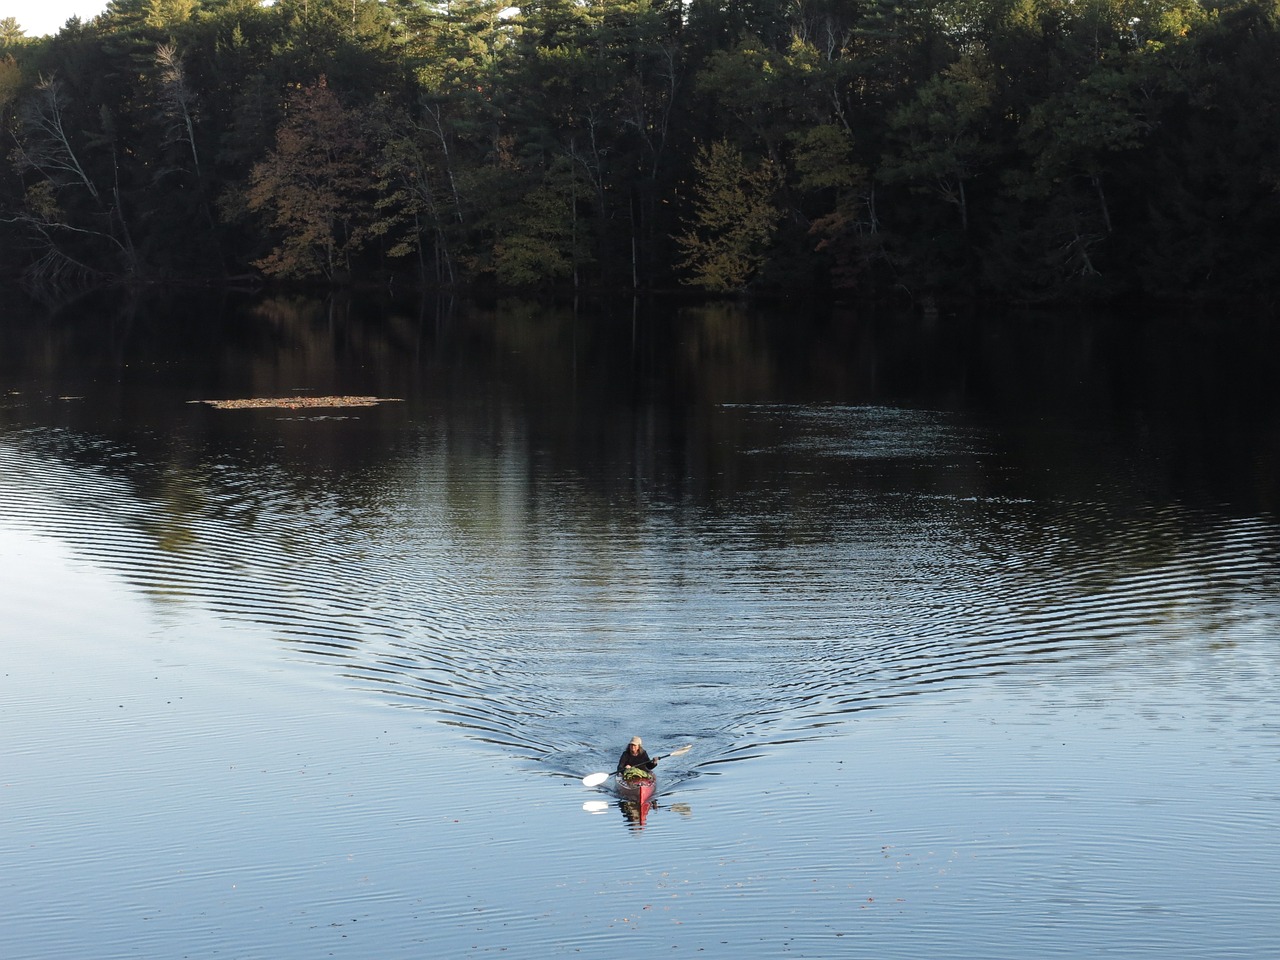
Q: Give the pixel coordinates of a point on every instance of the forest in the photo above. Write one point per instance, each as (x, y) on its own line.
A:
(1032, 151)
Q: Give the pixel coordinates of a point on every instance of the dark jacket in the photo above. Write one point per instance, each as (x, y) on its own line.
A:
(641, 760)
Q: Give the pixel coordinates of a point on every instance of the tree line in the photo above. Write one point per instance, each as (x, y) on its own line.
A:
(1034, 150)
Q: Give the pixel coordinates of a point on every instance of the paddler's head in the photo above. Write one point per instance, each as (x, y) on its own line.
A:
(635, 745)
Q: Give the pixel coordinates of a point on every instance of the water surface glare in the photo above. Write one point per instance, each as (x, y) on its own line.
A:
(975, 640)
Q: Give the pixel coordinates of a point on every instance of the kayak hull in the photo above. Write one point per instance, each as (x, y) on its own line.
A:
(639, 791)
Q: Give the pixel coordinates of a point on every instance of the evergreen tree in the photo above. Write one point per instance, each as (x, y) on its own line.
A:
(733, 221)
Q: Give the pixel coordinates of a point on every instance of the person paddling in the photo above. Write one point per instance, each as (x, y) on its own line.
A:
(635, 756)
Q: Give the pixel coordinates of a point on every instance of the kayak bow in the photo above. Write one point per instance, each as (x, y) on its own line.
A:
(638, 789)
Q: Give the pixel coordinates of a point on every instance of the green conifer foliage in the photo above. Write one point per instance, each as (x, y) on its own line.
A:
(734, 218)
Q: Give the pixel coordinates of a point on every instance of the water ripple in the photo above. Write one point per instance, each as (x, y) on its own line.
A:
(740, 630)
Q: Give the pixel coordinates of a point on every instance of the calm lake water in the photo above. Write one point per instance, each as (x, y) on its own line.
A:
(973, 625)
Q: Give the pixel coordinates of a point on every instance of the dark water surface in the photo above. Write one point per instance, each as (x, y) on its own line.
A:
(973, 625)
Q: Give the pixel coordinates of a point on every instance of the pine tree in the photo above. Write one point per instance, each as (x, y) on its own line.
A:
(734, 219)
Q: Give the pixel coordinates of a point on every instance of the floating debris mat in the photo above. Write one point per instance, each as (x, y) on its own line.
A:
(296, 403)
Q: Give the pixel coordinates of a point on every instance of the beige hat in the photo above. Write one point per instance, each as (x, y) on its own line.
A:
(637, 741)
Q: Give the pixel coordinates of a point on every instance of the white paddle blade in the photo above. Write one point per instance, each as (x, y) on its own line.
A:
(595, 806)
(594, 779)
(682, 751)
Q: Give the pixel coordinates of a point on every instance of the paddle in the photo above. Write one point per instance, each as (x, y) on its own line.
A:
(595, 779)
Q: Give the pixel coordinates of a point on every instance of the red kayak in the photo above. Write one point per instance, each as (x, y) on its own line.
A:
(639, 789)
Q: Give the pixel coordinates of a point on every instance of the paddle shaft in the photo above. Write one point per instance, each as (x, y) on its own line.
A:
(674, 753)
(595, 779)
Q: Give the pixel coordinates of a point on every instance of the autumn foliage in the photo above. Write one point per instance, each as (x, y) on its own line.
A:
(314, 187)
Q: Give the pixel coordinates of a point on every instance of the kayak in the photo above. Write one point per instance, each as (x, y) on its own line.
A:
(640, 789)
